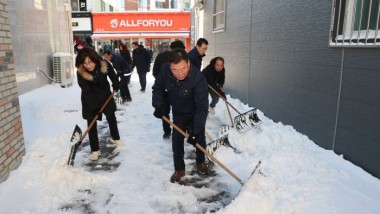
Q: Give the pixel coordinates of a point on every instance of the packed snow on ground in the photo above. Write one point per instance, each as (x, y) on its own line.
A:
(296, 175)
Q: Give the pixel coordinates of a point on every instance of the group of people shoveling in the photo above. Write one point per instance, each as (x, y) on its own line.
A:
(179, 84)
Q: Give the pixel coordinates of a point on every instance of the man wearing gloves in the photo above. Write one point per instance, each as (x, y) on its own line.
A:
(187, 91)
(215, 75)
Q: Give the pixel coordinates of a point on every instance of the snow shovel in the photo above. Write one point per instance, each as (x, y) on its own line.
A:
(216, 144)
(75, 146)
(243, 122)
(203, 150)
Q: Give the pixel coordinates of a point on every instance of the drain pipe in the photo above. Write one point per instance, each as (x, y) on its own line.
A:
(339, 96)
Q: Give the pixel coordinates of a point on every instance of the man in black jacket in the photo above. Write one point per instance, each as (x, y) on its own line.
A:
(215, 75)
(141, 59)
(161, 59)
(186, 88)
(198, 52)
(123, 69)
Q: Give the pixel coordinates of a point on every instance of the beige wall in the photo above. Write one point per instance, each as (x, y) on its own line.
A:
(39, 28)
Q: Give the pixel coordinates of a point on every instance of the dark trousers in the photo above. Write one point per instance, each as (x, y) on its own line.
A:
(166, 112)
(178, 144)
(93, 133)
(214, 99)
(128, 78)
(142, 78)
(124, 90)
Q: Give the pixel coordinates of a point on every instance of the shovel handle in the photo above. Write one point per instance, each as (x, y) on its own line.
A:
(203, 150)
(97, 115)
(224, 99)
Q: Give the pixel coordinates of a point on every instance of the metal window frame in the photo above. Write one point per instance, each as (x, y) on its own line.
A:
(220, 27)
(342, 33)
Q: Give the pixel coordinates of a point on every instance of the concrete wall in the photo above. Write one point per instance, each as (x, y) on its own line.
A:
(12, 146)
(39, 29)
(281, 63)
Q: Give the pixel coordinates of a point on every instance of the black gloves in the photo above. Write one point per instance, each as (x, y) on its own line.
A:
(192, 139)
(223, 95)
(158, 112)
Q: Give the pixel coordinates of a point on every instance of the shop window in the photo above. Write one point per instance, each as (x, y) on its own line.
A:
(219, 16)
(355, 23)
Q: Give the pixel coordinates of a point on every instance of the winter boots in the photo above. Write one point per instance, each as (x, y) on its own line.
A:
(167, 135)
(95, 155)
(203, 168)
(176, 177)
(118, 143)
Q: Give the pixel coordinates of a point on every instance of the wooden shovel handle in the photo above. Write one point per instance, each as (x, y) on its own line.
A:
(203, 150)
(97, 115)
(224, 99)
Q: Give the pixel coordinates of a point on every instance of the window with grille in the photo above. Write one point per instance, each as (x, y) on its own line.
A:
(355, 23)
(219, 15)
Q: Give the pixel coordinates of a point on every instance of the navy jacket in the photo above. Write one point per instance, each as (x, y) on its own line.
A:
(195, 58)
(120, 64)
(188, 98)
(141, 59)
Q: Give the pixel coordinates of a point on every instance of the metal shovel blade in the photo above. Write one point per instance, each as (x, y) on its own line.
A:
(224, 130)
(76, 137)
(216, 144)
(77, 134)
(246, 121)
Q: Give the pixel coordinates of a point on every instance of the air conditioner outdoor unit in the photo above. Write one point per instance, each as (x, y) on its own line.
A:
(63, 68)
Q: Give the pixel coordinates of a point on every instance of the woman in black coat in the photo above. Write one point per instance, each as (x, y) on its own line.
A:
(92, 78)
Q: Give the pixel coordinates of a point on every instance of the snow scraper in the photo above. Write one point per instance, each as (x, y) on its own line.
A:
(243, 122)
(78, 132)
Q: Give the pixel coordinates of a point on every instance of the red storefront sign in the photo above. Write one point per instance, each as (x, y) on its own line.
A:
(140, 22)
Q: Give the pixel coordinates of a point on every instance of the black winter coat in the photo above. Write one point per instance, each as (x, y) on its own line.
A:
(141, 59)
(120, 64)
(188, 98)
(96, 89)
(195, 58)
(213, 78)
(161, 59)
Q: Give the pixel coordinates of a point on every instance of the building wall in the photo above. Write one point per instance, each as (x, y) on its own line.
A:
(281, 63)
(12, 146)
(39, 29)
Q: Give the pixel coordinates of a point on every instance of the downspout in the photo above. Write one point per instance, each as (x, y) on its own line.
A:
(250, 54)
(339, 96)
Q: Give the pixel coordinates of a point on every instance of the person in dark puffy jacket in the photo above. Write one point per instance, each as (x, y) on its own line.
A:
(124, 52)
(161, 59)
(198, 52)
(92, 72)
(141, 60)
(215, 75)
(186, 88)
(123, 70)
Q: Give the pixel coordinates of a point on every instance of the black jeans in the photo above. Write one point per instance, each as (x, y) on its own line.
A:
(124, 90)
(142, 78)
(93, 133)
(178, 144)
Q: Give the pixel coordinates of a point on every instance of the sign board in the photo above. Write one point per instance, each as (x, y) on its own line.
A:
(140, 22)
